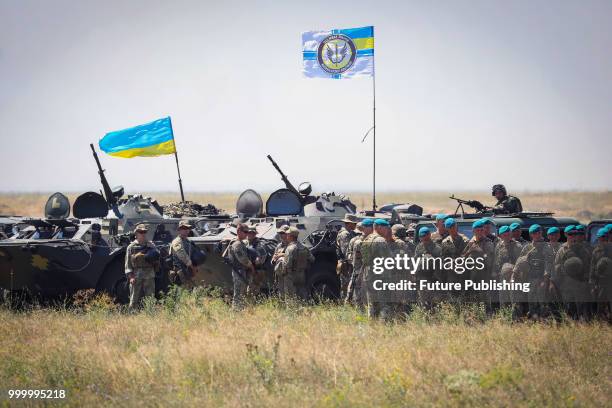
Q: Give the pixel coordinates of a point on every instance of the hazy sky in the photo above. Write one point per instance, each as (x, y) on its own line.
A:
(468, 93)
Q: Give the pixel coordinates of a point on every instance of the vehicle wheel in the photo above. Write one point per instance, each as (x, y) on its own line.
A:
(121, 291)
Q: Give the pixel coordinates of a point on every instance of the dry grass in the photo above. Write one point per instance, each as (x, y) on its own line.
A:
(583, 205)
(193, 350)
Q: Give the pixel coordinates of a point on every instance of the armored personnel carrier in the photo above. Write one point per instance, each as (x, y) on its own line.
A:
(316, 217)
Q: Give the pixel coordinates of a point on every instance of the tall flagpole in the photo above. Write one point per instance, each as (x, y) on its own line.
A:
(178, 170)
(373, 132)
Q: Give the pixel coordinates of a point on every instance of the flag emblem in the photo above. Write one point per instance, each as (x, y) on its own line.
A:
(336, 53)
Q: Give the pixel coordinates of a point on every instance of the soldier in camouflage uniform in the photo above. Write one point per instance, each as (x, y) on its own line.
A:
(376, 246)
(452, 247)
(571, 274)
(399, 233)
(344, 267)
(356, 291)
(297, 260)
(515, 229)
(180, 251)
(278, 258)
(507, 252)
(441, 232)
(601, 274)
(506, 204)
(488, 227)
(140, 265)
(554, 234)
(427, 249)
(242, 267)
(480, 247)
(258, 254)
(540, 260)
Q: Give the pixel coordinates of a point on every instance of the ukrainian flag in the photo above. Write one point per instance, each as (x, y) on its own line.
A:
(148, 140)
(338, 53)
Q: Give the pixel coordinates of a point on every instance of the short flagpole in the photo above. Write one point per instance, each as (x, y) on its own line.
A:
(178, 170)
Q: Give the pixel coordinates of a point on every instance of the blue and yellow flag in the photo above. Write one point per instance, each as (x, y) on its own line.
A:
(148, 140)
(346, 53)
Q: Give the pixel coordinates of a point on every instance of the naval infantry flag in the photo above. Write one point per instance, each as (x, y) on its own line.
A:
(338, 54)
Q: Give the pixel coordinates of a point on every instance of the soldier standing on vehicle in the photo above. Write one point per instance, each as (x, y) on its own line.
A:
(237, 256)
(601, 274)
(540, 260)
(441, 232)
(506, 204)
(554, 234)
(297, 260)
(356, 290)
(572, 268)
(515, 229)
(180, 252)
(343, 267)
(141, 258)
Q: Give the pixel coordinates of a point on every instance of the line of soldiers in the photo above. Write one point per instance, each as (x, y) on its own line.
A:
(572, 276)
(290, 261)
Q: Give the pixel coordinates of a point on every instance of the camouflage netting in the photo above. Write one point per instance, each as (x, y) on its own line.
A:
(189, 209)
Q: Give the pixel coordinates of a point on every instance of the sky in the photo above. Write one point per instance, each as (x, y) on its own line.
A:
(468, 94)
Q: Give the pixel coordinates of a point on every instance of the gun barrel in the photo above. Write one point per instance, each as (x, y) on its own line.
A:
(283, 176)
(108, 194)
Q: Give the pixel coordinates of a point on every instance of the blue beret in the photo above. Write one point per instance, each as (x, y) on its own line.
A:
(368, 222)
(608, 227)
(580, 229)
(602, 232)
(441, 216)
(504, 229)
(382, 223)
(514, 226)
(478, 224)
(569, 229)
(553, 230)
(487, 220)
(424, 231)
(535, 228)
(449, 222)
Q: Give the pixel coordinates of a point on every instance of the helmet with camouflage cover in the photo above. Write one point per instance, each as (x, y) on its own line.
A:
(574, 267)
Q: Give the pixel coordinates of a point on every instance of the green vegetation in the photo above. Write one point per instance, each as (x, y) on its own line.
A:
(192, 349)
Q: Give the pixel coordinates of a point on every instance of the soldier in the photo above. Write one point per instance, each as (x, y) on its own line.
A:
(425, 250)
(410, 232)
(141, 258)
(372, 247)
(488, 227)
(399, 234)
(278, 259)
(237, 256)
(540, 261)
(96, 237)
(480, 247)
(297, 260)
(506, 204)
(554, 234)
(343, 267)
(356, 290)
(507, 252)
(580, 232)
(453, 246)
(258, 254)
(515, 229)
(572, 267)
(441, 232)
(601, 273)
(180, 252)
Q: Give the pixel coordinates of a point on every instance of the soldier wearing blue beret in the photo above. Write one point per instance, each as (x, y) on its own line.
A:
(441, 232)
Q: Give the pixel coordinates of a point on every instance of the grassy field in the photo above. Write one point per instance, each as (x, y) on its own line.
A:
(188, 349)
(583, 205)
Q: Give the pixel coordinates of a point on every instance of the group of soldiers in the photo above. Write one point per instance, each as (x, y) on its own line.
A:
(247, 256)
(572, 276)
